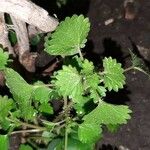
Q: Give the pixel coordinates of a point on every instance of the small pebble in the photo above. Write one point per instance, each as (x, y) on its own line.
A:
(109, 21)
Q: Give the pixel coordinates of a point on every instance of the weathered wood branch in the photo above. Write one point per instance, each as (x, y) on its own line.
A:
(30, 13)
(4, 35)
(22, 35)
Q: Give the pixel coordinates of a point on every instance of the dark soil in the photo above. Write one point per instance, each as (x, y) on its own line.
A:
(115, 39)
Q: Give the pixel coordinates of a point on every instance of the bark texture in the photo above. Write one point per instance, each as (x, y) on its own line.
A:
(30, 13)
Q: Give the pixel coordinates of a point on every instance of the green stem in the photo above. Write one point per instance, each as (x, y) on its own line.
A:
(80, 54)
(128, 69)
(66, 124)
(66, 139)
(26, 131)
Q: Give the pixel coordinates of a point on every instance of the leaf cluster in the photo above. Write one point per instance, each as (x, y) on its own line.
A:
(78, 85)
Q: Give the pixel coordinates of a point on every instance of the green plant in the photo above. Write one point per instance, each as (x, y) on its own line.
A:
(79, 85)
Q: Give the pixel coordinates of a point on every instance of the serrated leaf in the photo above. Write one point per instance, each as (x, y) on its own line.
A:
(46, 108)
(139, 64)
(69, 83)
(87, 67)
(3, 59)
(21, 92)
(41, 94)
(69, 36)
(89, 132)
(102, 91)
(79, 107)
(92, 81)
(6, 105)
(114, 78)
(106, 113)
(4, 142)
(113, 127)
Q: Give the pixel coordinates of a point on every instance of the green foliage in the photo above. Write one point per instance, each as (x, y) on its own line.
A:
(12, 37)
(25, 147)
(4, 142)
(78, 86)
(89, 132)
(69, 83)
(45, 108)
(69, 37)
(36, 39)
(138, 64)
(6, 105)
(114, 78)
(41, 94)
(103, 114)
(21, 92)
(106, 113)
(3, 59)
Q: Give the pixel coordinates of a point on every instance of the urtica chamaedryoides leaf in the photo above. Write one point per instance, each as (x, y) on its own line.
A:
(41, 94)
(106, 113)
(21, 92)
(89, 132)
(6, 105)
(3, 59)
(69, 36)
(113, 74)
(69, 82)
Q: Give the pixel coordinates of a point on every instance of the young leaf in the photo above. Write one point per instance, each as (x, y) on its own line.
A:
(106, 113)
(112, 127)
(92, 81)
(113, 74)
(3, 59)
(87, 67)
(139, 64)
(46, 108)
(41, 94)
(4, 142)
(69, 83)
(89, 132)
(69, 36)
(21, 92)
(6, 105)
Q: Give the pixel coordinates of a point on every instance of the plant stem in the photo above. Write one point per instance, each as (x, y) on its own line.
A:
(80, 54)
(26, 131)
(128, 69)
(27, 124)
(66, 139)
(66, 124)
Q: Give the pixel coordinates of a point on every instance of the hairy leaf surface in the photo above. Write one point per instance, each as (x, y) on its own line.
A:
(106, 113)
(6, 105)
(114, 78)
(89, 132)
(21, 92)
(69, 36)
(69, 83)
